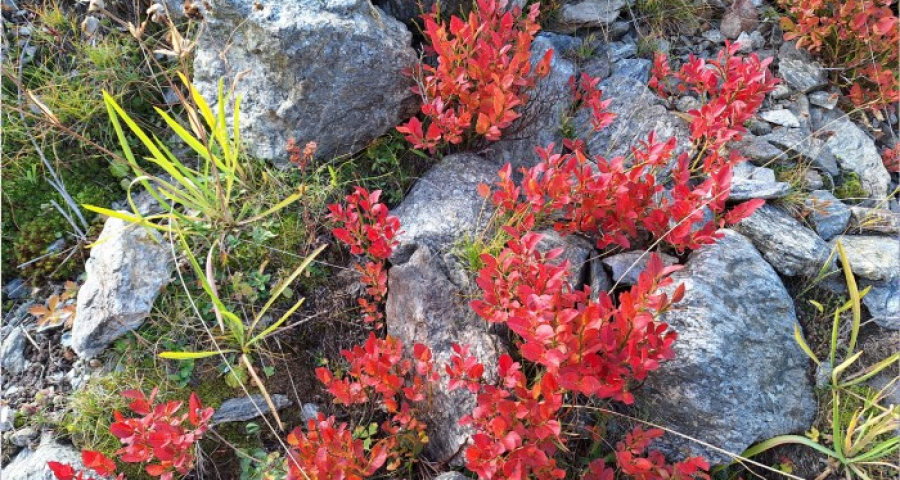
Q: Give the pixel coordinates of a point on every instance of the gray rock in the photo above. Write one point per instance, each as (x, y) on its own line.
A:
(714, 35)
(24, 437)
(309, 411)
(542, 119)
(587, 14)
(883, 303)
(600, 281)
(687, 103)
(598, 65)
(804, 144)
(758, 150)
(575, 249)
(638, 112)
(444, 205)
(780, 92)
(12, 352)
(749, 42)
(636, 68)
(627, 267)
(756, 182)
(740, 17)
(787, 245)
(738, 376)
(451, 476)
(798, 69)
(327, 72)
(874, 220)
(7, 418)
(812, 180)
(32, 464)
(15, 289)
(872, 257)
(126, 271)
(855, 151)
(248, 408)
(826, 100)
(782, 117)
(828, 215)
(415, 314)
(620, 50)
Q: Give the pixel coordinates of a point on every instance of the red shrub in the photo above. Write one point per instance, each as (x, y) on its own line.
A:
(159, 435)
(891, 158)
(96, 461)
(860, 37)
(329, 452)
(365, 225)
(378, 372)
(482, 75)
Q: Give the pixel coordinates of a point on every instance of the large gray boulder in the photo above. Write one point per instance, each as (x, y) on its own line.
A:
(784, 242)
(444, 205)
(425, 306)
(738, 376)
(328, 72)
(638, 111)
(126, 271)
(32, 464)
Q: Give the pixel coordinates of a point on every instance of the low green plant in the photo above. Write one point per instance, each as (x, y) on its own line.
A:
(865, 440)
(237, 338)
(850, 188)
(203, 198)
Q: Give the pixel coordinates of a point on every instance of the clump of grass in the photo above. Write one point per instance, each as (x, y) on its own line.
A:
(669, 17)
(64, 70)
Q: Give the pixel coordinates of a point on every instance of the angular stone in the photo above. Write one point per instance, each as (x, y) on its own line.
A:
(827, 214)
(855, 151)
(751, 182)
(588, 13)
(872, 257)
(826, 100)
(575, 249)
(874, 220)
(126, 271)
(425, 306)
(758, 150)
(883, 303)
(32, 464)
(328, 72)
(600, 281)
(636, 68)
(248, 408)
(782, 117)
(738, 375)
(444, 205)
(785, 243)
(12, 352)
(798, 69)
(627, 267)
(805, 145)
(740, 17)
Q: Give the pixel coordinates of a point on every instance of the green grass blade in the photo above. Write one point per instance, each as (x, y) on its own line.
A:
(265, 333)
(192, 355)
(283, 285)
(798, 337)
(785, 440)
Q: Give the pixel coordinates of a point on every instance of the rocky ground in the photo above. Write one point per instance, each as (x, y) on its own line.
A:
(331, 72)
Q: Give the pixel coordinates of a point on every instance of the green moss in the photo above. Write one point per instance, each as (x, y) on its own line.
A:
(850, 188)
